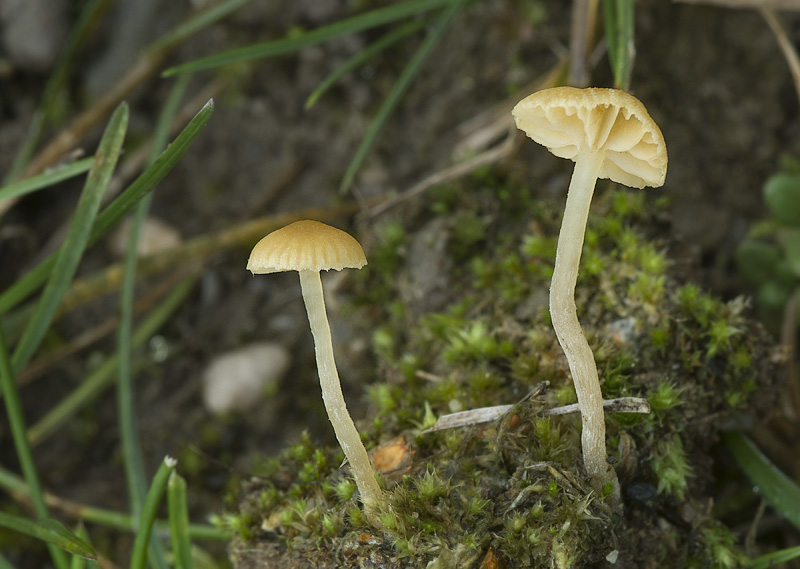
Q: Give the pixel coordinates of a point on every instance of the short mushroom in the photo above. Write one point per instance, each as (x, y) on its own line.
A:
(608, 134)
(309, 247)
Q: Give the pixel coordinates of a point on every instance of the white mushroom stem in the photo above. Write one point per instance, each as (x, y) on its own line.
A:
(565, 318)
(343, 426)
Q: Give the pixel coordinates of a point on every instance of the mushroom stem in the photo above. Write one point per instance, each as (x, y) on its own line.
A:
(564, 316)
(343, 426)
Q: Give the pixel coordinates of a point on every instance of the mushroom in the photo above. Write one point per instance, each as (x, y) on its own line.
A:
(608, 134)
(309, 247)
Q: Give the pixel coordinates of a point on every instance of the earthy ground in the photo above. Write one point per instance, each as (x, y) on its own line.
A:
(713, 79)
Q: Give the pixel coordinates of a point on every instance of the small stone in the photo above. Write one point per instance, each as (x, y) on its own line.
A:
(238, 380)
(155, 236)
(33, 31)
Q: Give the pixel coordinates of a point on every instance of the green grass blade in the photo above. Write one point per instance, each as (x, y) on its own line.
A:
(126, 408)
(81, 562)
(12, 483)
(152, 175)
(773, 559)
(197, 23)
(398, 90)
(16, 420)
(102, 377)
(151, 504)
(619, 23)
(4, 564)
(347, 26)
(178, 512)
(362, 57)
(45, 179)
(55, 86)
(779, 490)
(49, 531)
(26, 285)
(70, 253)
(126, 402)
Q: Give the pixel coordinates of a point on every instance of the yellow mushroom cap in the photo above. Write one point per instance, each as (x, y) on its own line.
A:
(570, 121)
(306, 245)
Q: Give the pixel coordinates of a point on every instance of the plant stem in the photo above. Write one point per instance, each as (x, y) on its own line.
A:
(346, 431)
(565, 319)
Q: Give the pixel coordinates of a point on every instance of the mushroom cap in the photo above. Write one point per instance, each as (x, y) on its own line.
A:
(306, 245)
(570, 121)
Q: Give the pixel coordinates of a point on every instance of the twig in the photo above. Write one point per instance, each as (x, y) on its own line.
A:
(489, 414)
(621, 405)
(478, 133)
(448, 175)
(789, 52)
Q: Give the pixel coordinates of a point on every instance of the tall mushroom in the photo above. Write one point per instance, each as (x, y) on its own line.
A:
(309, 247)
(608, 134)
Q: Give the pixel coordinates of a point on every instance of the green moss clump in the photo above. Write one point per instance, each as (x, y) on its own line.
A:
(515, 486)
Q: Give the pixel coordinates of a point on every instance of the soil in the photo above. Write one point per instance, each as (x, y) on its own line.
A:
(714, 79)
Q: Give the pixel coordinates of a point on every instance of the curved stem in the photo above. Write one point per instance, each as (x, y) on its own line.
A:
(564, 316)
(346, 432)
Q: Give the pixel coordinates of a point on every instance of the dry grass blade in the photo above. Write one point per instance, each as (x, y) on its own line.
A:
(789, 52)
(87, 289)
(581, 40)
(448, 175)
(36, 368)
(489, 414)
(477, 134)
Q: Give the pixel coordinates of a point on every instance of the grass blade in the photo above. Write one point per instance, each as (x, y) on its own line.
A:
(55, 86)
(126, 402)
(45, 179)
(12, 483)
(197, 23)
(82, 562)
(117, 209)
(16, 420)
(399, 89)
(347, 26)
(64, 267)
(70, 253)
(773, 559)
(126, 408)
(363, 56)
(151, 504)
(50, 531)
(98, 380)
(619, 22)
(780, 491)
(178, 512)
(4, 564)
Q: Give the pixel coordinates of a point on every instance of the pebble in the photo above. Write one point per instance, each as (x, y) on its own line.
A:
(155, 236)
(238, 380)
(33, 31)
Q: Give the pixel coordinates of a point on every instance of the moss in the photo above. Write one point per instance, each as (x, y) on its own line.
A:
(516, 485)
